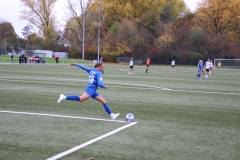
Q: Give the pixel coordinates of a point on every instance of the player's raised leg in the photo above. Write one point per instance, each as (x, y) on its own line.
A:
(106, 107)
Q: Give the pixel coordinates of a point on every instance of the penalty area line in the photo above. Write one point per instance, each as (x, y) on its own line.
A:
(60, 155)
(61, 116)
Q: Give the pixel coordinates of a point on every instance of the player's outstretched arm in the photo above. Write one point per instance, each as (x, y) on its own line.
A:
(81, 66)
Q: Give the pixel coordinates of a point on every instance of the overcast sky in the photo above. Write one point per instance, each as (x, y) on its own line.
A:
(10, 11)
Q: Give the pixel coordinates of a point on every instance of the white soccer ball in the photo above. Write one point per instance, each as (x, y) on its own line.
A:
(129, 117)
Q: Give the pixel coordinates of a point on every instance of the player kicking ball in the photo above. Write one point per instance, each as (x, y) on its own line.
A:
(94, 81)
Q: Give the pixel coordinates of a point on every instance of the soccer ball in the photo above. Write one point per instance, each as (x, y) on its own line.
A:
(129, 117)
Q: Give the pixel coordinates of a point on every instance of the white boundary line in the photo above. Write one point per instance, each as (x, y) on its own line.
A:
(138, 86)
(60, 155)
(62, 116)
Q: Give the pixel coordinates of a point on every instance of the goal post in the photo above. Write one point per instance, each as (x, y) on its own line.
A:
(227, 63)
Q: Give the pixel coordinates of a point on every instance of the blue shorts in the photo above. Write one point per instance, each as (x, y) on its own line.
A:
(92, 92)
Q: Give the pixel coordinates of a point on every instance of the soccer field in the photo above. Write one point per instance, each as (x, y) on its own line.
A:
(176, 116)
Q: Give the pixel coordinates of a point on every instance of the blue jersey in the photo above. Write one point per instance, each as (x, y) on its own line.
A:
(200, 66)
(94, 78)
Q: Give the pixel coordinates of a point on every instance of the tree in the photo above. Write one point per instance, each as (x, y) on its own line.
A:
(126, 31)
(218, 16)
(148, 20)
(40, 14)
(165, 42)
(142, 43)
(115, 10)
(33, 41)
(172, 10)
(27, 30)
(83, 15)
(218, 46)
(181, 33)
(7, 33)
(197, 39)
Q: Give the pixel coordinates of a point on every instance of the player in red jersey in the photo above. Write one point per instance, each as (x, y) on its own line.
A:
(147, 64)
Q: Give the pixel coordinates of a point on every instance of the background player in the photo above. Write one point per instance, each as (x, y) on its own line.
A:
(173, 65)
(219, 65)
(200, 68)
(147, 64)
(211, 67)
(131, 66)
(207, 66)
(101, 61)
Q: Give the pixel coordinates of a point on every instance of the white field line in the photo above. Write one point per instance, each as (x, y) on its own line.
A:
(238, 94)
(60, 155)
(138, 86)
(43, 82)
(61, 116)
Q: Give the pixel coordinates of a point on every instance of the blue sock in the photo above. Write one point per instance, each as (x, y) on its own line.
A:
(107, 109)
(199, 75)
(73, 97)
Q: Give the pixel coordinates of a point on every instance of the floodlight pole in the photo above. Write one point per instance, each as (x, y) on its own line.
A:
(99, 27)
(5, 43)
(5, 47)
(83, 28)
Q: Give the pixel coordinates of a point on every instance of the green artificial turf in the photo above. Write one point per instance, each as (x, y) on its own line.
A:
(179, 117)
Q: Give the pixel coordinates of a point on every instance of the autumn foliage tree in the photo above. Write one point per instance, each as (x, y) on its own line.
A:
(6, 31)
(115, 10)
(218, 16)
(40, 14)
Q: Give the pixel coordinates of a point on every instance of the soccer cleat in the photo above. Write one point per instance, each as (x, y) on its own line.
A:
(114, 116)
(62, 97)
(200, 78)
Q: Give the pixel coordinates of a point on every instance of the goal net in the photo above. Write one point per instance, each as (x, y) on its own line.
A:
(126, 60)
(227, 63)
(123, 60)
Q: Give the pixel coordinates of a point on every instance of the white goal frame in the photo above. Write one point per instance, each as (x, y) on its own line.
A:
(227, 63)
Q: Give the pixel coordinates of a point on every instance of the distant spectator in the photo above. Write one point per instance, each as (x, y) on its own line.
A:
(25, 59)
(41, 60)
(31, 59)
(12, 59)
(37, 59)
(0, 51)
(57, 59)
(21, 59)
